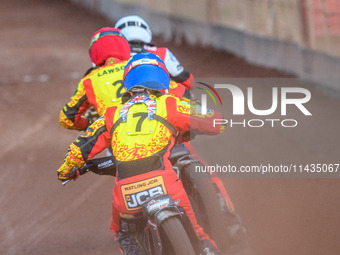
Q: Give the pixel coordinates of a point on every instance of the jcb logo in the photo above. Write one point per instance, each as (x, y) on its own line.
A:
(134, 201)
(134, 194)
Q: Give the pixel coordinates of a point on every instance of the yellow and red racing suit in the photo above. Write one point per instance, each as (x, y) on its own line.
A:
(101, 88)
(141, 133)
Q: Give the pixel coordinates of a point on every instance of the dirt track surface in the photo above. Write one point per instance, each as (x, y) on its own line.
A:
(43, 54)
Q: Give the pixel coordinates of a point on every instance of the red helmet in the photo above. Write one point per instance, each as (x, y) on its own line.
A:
(108, 42)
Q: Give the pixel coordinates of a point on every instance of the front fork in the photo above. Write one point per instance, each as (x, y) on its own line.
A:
(152, 238)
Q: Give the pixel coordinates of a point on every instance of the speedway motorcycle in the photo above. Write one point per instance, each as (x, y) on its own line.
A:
(207, 197)
(162, 227)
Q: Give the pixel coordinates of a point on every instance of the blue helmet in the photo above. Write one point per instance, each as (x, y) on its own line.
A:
(146, 70)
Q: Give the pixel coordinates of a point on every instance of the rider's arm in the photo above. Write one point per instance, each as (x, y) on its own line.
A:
(70, 116)
(96, 140)
(188, 118)
(179, 90)
(177, 71)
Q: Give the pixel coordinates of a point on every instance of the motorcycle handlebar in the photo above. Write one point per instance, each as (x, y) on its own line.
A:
(106, 165)
(100, 166)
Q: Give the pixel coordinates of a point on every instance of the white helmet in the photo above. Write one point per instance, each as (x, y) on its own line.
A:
(134, 28)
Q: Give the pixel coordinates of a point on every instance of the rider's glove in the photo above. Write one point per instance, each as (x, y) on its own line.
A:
(68, 172)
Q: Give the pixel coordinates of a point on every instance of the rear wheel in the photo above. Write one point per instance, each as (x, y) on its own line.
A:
(175, 233)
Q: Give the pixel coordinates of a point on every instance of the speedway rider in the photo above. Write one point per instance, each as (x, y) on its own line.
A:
(103, 86)
(139, 35)
(141, 133)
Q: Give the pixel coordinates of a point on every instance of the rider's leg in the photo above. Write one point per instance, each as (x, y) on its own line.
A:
(124, 237)
(128, 244)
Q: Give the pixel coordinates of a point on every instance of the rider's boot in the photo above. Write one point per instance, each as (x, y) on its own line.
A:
(128, 243)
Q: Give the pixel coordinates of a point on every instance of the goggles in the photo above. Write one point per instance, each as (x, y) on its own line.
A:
(134, 24)
(105, 33)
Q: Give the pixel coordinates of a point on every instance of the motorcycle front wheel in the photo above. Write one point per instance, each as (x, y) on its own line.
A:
(175, 233)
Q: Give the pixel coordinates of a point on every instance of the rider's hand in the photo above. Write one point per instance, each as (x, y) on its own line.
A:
(67, 172)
